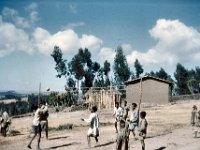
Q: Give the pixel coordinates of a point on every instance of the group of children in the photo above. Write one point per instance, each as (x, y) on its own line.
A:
(129, 122)
(125, 123)
(195, 120)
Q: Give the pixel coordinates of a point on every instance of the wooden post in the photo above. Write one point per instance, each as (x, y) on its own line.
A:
(140, 96)
(39, 94)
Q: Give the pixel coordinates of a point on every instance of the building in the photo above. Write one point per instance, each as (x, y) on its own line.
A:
(102, 98)
(151, 91)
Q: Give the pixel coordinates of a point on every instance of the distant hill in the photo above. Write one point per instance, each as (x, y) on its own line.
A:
(10, 94)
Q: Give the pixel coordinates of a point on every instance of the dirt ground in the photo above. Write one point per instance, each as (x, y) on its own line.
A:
(168, 129)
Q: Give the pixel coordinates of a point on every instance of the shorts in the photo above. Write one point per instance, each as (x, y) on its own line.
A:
(117, 119)
(37, 129)
(44, 125)
(132, 126)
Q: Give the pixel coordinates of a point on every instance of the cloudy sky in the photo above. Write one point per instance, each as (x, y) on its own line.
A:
(159, 33)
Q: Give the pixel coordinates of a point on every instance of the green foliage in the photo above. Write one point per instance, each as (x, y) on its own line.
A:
(138, 68)
(60, 62)
(106, 67)
(121, 69)
(181, 75)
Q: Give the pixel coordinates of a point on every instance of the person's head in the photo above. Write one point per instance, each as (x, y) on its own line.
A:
(122, 123)
(143, 114)
(94, 109)
(133, 106)
(194, 107)
(117, 105)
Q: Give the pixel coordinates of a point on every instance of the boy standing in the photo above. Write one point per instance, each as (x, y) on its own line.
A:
(94, 125)
(142, 128)
(193, 115)
(134, 117)
(122, 136)
(44, 119)
(197, 124)
(37, 127)
(126, 109)
(118, 113)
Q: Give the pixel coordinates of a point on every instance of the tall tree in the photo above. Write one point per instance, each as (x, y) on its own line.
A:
(77, 68)
(121, 69)
(60, 62)
(162, 74)
(181, 76)
(138, 68)
(106, 70)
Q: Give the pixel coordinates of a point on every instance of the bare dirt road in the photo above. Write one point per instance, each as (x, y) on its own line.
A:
(168, 129)
(179, 139)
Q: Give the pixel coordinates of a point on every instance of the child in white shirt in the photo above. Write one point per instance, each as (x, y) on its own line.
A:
(93, 122)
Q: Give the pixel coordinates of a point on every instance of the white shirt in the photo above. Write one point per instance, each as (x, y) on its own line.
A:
(36, 118)
(93, 120)
(118, 112)
(134, 116)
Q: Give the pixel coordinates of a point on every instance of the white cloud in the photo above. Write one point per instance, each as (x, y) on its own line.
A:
(67, 40)
(22, 22)
(106, 54)
(127, 48)
(13, 39)
(176, 42)
(91, 42)
(12, 14)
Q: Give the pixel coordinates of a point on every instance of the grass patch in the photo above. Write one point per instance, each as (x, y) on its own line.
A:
(106, 123)
(62, 127)
(14, 133)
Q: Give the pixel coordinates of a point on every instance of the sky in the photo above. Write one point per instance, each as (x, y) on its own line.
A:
(159, 33)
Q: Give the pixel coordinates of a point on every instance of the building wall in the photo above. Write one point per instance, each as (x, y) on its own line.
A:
(153, 92)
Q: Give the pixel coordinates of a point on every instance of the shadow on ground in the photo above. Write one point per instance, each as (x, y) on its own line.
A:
(56, 138)
(161, 148)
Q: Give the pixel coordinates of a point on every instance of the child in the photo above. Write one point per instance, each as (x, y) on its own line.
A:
(5, 122)
(94, 125)
(133, 119)
(37, 127)
(122, 136)
(118, 113)
(44, 119)
(126, 109)
(193, 115)
(197, 124)
(142, 129)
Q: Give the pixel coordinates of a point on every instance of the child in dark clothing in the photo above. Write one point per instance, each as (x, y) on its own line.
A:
(142, 128)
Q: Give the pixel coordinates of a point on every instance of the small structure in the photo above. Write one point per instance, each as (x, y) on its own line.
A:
(102, 98)
(151, 91)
